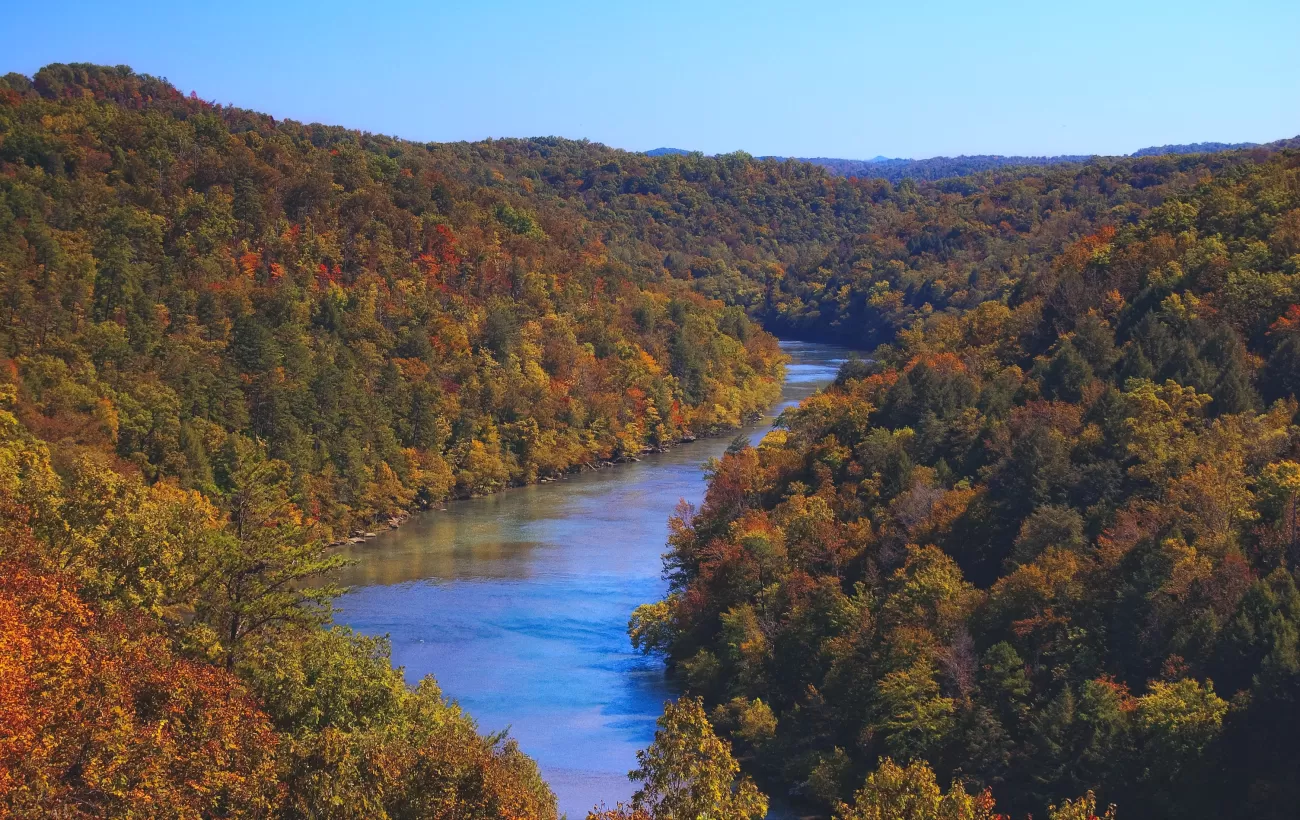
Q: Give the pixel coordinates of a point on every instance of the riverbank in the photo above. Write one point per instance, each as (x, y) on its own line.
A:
(396, 519)
(518, 601)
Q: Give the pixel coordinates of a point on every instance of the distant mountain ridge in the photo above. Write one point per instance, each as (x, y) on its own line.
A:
(932, 168)
(1193, 148)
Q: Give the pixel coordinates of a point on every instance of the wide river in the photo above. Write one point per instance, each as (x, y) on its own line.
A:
(518, 602)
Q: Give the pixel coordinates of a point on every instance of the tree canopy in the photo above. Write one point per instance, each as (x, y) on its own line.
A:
(1040, 544)
(1043, 541)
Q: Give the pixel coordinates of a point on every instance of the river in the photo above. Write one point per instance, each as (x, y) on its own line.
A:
(518, 602)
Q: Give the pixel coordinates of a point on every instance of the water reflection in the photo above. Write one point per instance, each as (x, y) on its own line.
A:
(518, 602)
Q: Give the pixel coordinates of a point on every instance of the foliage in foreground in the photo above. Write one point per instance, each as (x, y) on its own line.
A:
(688, 773)
(894, 792)
(161, 659)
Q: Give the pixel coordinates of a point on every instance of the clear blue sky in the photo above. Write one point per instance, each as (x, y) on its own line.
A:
(840, 79)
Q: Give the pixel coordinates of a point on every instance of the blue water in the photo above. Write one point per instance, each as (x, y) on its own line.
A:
(518, 602)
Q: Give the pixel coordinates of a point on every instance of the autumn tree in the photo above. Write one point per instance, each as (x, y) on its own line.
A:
(894, 792)
(98, 716)
(356, 741)
(256, 580)
(1085, 808)
(688, 772)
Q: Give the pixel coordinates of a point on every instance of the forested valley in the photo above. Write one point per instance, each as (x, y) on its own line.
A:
(1034, 554)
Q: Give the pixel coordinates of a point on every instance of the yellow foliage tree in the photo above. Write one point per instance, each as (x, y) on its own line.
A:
(688, 773)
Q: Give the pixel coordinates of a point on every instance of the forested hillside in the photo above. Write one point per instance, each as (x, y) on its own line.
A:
(1042, 544)
(223, 340)
(402, 323)
(816, 256)
(1046, 541)
(396, 322)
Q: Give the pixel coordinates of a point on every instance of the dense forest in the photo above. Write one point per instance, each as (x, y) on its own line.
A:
(225, 340)
(1044, 540)
(1035, 554)
(387, 319)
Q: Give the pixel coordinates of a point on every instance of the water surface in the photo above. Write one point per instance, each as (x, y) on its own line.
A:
(518, 602)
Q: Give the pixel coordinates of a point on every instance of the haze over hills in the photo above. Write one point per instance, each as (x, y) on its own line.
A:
(932, 168)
